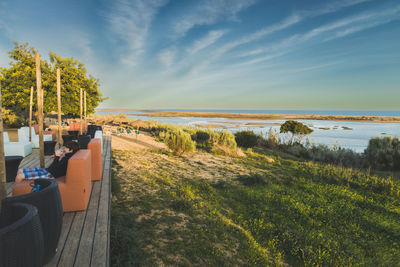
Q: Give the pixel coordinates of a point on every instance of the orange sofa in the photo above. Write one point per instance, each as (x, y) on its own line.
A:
(76, 126)
(75, 187)
(53, 133)
(97, 161)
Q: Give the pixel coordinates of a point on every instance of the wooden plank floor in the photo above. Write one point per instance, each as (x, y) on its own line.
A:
(85, 235)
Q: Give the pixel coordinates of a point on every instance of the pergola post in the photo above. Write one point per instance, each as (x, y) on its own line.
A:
(80, 132)
(3, 192)
(60, 141)
(84, 110)
(30, 114)
(40, 108)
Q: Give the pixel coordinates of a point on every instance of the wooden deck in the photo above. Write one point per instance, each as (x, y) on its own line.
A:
(85, 235)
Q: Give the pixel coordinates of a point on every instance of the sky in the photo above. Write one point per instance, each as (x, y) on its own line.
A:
(221, 54)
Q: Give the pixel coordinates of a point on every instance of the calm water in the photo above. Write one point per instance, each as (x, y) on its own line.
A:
(347, 134)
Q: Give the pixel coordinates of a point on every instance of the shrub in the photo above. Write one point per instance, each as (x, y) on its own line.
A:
(227, 140)
(247, 139)
(179, 142)
(201, 136)
(383, 153)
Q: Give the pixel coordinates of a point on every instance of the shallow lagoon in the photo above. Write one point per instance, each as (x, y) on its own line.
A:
(347, 134)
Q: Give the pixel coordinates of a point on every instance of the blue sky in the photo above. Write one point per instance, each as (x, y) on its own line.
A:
(221, 54)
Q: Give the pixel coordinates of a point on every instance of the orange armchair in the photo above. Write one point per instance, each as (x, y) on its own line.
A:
(75, 187)
(97, 162)
(53, 133)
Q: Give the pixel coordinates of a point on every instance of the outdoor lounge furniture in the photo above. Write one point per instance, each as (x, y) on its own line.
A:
(21, 237)
(97, 160)
(77, 126)
(21, 148)
(12, 164)
(23, 135)
(68, 138)
(92, 128)
(73, 132)
(83, 141)
(48, 203)
(49, 147)
(75, 187)
(99, 134)
(52, 132)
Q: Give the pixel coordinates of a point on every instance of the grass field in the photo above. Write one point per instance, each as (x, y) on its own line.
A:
(209, 210)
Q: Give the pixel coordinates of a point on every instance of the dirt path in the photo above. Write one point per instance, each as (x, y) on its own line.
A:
(132, 143)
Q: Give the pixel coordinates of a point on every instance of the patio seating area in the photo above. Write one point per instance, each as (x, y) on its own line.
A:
(84, 239)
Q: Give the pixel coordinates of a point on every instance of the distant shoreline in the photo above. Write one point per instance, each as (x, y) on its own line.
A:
(260, 116)
(251, 116)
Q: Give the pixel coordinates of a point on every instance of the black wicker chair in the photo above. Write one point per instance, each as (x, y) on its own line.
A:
(92, 128)
(21, 237)
(49, 147)
(83, 141)
(48, 202)
(67, 138)
(12, 164)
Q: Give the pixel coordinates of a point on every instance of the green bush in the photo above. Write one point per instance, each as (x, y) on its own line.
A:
(247, 139)
(201, 136)
(383, 153)
(179, 142)
(12, 120)
(227, 139)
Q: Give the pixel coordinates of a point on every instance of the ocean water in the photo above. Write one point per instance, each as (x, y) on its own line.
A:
(347, 134)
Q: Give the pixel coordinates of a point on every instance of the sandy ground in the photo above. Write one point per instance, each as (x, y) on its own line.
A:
(135, 143)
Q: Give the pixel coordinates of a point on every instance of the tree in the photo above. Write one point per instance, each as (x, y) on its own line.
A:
(17, 80)
(296, 128)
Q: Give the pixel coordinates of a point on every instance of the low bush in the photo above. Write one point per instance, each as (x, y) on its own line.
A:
(179, 142)
(227, 140)
(201, 136)
(383, 153)
(247, 139)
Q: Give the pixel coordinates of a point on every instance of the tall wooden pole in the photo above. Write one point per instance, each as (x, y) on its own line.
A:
(84, 110)
(60, 141)
(80, 132)
(40, 108)
(3, 192)
(30, 115)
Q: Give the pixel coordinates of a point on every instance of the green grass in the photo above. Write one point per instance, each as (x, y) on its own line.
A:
(286, 212)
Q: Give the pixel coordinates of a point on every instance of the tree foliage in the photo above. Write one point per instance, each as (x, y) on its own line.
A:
(17, 80)
(296, 129)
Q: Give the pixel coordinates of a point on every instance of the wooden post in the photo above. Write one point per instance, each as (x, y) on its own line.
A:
(40, 108)
(84, 110)
(3, 192)
(80, 132)
(30, 115)
(60, 141)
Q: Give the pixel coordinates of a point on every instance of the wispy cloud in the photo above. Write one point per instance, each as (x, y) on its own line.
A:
(208, 40)
(209, 12)
(167, 56)
(131, 20)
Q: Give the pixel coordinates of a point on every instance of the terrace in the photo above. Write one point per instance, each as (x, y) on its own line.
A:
(85, 235)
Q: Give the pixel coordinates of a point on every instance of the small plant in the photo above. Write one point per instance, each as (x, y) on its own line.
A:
(179, 142)
(247, 139)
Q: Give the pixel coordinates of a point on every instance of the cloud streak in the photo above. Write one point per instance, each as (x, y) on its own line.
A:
(210, 12)
(130, 21)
